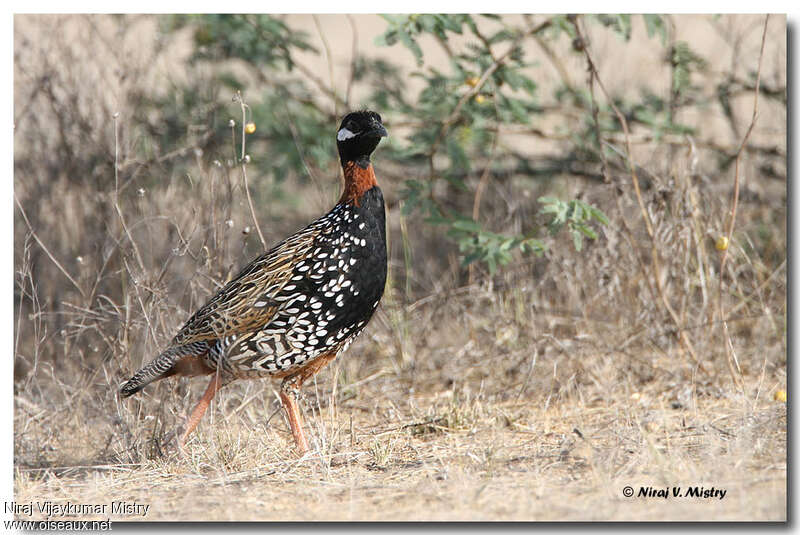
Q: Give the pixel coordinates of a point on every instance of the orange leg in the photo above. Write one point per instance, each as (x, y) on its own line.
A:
(200, 408)
(289, 390)
(289, 400)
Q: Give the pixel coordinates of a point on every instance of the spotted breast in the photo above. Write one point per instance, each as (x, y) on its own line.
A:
(327, 300)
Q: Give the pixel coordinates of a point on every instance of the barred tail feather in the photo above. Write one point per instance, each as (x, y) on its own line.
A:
(156, 369)
(160, 367)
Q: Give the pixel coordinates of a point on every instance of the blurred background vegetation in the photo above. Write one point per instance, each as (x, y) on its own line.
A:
(523, 219)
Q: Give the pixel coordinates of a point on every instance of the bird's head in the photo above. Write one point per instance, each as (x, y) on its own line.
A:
(358, 135)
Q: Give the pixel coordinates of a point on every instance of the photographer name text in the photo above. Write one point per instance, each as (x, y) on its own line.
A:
(51, 509)
(680, 492)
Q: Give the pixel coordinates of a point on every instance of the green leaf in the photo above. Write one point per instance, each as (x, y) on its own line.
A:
(620, 24)
(656, 25)
(598, 214)
(467, 225)
(577, 240)
(412, 45)
(625, 27)
(587, 231)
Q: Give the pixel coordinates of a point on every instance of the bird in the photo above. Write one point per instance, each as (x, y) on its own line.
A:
(296, 307)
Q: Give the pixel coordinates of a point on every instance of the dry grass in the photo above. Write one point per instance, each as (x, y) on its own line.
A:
(499, 432)
(456, 455)
(535, 394)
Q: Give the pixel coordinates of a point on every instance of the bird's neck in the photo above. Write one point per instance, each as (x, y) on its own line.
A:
(358, 179)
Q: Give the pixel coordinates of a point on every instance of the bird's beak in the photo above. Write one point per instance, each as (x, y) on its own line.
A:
(379, 130)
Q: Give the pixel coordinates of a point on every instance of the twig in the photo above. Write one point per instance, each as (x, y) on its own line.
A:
(353, 60)
(329, 59)
(238, 98)
(127, 467)
(683, 336)
(554, 60)
(476, 203)
(299, 146)
(45, 249)
(116, 195)
(136, 285)
(300, 67)
(454, 115)
(730, 353)
(598, 134)
(484, 180)
(496, 64)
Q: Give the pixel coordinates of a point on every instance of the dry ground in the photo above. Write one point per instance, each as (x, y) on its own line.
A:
(443, 458)
(515, 425)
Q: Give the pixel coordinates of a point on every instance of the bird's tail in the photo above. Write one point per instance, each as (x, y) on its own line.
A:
(160, 367)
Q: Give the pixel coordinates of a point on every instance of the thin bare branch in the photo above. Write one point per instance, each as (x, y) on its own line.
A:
(683, 335)
(243, 162)
(45, 249)
(733, 361)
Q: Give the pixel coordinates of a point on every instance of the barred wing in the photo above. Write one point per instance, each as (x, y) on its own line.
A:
(247, 302)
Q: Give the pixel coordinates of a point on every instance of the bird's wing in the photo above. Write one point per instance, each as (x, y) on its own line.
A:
(251, 299)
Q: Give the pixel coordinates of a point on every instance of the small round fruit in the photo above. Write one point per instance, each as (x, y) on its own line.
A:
(722, 243)
(480, 99)
(780, 395)
(472, 81)
(250, 127)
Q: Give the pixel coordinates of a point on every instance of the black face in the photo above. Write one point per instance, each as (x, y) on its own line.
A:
(358, 135)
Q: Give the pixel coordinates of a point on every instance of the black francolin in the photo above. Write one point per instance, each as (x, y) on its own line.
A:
(297, 306)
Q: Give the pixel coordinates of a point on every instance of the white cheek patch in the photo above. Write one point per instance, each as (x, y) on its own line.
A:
(344, 133)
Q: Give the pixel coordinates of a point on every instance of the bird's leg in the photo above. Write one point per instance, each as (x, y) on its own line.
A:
(289, 395)
(200, 408)
(290, 389)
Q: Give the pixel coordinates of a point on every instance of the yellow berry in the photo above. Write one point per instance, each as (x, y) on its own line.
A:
(472, 81)
(250, 127)
(780, 395)
(480, 99)
(722, 243)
